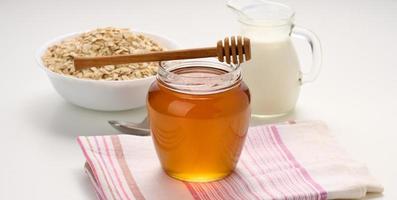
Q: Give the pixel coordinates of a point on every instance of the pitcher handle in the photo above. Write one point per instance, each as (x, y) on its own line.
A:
(315, 47)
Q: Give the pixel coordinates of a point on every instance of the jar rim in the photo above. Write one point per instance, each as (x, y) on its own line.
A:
(198, 76)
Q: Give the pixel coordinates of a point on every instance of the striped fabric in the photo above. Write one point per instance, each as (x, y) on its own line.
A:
(267, 170)
(107, 164)
(274, 175)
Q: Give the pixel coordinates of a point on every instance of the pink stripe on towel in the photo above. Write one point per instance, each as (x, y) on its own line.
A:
(92, 168)
(106, 167)
(124, 167)
(258, 177)
(322, 193)
(115, 171)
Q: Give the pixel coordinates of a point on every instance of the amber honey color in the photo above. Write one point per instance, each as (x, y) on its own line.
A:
(198, 137)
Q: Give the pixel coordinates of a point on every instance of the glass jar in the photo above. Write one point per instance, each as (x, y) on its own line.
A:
(199, 113)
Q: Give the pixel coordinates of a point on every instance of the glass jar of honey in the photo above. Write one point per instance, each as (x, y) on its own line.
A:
(199, 113)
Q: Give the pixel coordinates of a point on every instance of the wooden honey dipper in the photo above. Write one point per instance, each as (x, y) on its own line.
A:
(228, 51)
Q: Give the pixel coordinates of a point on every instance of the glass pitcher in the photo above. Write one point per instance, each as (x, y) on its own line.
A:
(273, 74)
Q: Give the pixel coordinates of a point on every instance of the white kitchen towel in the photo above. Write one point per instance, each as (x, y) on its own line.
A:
(280, 161)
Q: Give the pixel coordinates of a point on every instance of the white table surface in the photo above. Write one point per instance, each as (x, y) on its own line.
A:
(356, 93)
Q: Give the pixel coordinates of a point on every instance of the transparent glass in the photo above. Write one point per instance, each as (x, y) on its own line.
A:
(199, 115)
(273, 74)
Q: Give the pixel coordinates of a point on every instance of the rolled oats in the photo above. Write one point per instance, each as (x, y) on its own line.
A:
(102, 42)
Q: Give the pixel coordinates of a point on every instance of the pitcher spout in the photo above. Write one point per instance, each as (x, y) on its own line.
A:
(261, 12)
(238, 6)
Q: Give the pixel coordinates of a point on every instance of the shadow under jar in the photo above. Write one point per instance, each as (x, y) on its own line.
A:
(199, 113)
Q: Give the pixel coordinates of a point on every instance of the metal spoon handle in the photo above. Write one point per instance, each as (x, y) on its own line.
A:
(131, 128)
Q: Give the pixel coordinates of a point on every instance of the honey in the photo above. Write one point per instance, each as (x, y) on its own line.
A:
(199, 115)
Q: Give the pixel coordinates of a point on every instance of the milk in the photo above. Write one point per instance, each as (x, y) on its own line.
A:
(272, 76)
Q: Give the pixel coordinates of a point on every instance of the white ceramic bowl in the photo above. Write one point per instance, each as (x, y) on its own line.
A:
(100, 94)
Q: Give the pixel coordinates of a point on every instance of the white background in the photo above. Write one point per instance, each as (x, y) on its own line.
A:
(356, 93)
